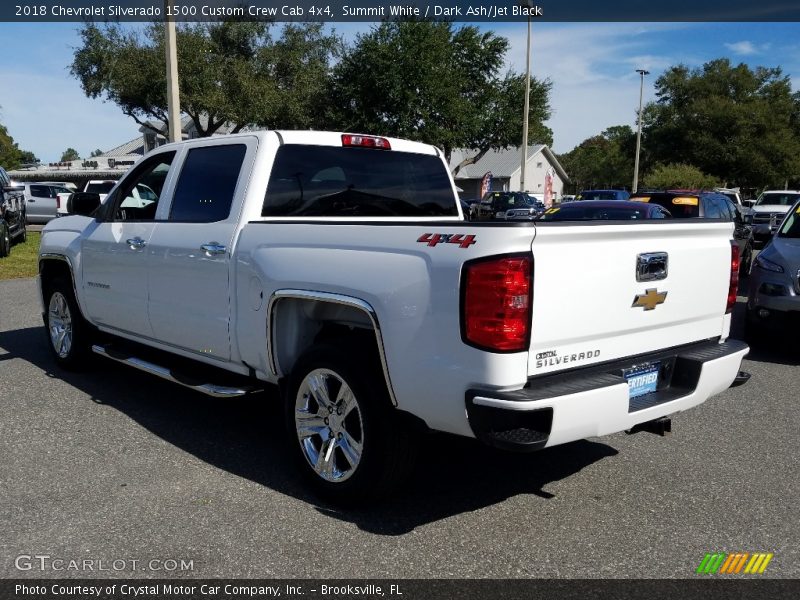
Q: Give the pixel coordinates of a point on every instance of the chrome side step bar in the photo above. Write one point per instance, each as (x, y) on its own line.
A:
(218, 391)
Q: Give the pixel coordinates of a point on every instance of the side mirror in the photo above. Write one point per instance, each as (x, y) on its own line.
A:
(83, 203)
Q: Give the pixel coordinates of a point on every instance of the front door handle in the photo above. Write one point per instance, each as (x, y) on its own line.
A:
(213, 249)
(136, 243)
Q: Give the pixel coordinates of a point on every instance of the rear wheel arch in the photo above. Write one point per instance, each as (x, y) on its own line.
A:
(297, 320)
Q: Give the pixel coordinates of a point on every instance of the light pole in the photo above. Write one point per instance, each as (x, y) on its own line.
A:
(173, 93)
(635, 186)
(526, 110)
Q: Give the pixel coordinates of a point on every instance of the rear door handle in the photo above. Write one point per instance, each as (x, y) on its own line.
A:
(136, 243)
(213, 249)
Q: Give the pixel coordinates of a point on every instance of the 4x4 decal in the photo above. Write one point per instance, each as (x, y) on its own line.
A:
(432, 239)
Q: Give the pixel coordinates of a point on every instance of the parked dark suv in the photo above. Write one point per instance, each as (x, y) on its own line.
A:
(691, 204)
(494, 205)
(12, 213)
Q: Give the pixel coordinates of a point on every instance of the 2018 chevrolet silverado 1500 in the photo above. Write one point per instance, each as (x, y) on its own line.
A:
(340, 267)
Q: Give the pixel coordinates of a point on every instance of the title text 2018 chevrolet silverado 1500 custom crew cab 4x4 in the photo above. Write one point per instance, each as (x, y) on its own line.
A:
(339, 266)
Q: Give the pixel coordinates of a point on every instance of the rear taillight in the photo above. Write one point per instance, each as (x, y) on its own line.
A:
(497, 303)
(365, 141)
(734, 282)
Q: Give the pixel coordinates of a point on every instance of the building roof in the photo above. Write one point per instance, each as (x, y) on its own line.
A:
(501, 163)
(133, 148)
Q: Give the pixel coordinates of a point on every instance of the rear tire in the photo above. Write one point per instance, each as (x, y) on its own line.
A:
(351, 444)
(68, 333)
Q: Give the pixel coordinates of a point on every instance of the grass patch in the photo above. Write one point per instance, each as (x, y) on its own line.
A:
(23, 260)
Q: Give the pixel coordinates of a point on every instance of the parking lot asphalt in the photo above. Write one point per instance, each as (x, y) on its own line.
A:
(112, 464)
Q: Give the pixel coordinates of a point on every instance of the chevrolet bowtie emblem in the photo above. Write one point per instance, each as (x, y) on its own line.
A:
(649, 300)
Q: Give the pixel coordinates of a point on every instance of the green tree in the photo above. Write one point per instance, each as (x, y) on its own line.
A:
(94, 153)
(434, 83)
(27, 157)
(604, 160)
(70, 154)
(10, 155)
(738, 124)
(230, 72)
(678, 176)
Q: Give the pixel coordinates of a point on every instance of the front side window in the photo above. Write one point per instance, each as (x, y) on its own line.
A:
(127, 204)
(791, 226)
(357, 182)
(205, 189)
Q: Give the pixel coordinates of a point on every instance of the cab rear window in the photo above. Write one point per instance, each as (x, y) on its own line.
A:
(679, 206)
(329, 181)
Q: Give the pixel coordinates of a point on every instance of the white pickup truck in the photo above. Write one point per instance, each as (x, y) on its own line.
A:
(340, 267)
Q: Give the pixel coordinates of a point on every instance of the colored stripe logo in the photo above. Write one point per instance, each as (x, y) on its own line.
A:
(734, 563)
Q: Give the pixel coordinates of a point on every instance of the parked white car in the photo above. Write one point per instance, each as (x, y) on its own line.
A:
(100, 186)
(340, 267)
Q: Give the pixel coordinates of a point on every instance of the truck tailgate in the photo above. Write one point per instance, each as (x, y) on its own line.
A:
(585, 290)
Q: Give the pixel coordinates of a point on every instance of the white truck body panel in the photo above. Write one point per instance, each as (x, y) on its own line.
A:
(171, 295)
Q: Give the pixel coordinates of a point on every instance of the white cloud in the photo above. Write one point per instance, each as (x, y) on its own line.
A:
(747, 48)
(593, 70)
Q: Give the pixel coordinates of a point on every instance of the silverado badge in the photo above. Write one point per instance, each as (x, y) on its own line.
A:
(649, 300)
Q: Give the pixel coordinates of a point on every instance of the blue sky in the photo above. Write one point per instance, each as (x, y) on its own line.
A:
(592, 67)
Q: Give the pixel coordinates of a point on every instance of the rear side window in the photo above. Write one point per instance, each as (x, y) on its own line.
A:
(205, 189)
(329, 181)
(40, 191)
(713, 208)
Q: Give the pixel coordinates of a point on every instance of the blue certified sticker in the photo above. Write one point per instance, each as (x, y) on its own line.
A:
(642, 380)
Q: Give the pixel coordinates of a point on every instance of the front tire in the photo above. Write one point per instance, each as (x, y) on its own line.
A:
(350, 443)
(68, 334)
(5, 240)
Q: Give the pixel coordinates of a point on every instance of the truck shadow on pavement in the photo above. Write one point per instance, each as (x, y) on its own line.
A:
(245, 437)
(776, 349)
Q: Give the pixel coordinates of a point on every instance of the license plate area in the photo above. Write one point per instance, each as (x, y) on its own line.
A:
(642, 379)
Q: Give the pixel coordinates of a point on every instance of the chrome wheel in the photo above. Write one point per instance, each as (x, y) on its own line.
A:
(60, 324)
(329, 425)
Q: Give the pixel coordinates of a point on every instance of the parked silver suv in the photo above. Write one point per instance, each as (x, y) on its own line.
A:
(43, 200)
(774, 298)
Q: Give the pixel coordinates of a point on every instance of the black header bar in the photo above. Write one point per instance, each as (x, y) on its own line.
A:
(378, 10)
(700, 588)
